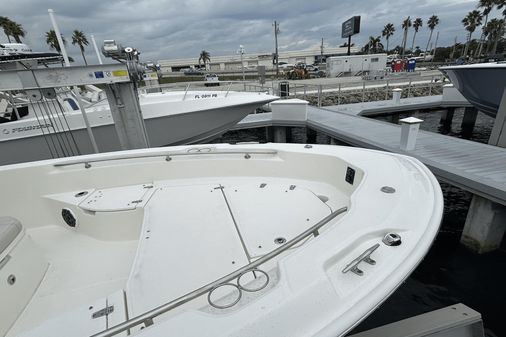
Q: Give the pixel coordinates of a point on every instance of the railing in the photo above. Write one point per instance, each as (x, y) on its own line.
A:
(225, 86)
(319, 91)
(147, 317)
(168, 155)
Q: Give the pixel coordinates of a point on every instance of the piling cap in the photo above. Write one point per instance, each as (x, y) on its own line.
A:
(397, 90)
(411, 120)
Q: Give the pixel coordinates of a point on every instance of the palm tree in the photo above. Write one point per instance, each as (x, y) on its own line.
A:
(494, 30)
(17, 32)
(387, 32)
(12, 28)
(471, 22)
(405, 25)
(416, 25)
(431, 23)
(80, 39)
(374, 45)
(501, 4)
(204, 57)
(3, 24)
(52, 40)
(487, 6)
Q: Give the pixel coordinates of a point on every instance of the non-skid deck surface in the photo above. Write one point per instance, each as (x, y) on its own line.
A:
(188, 240)
(75, 276)
(193, 235)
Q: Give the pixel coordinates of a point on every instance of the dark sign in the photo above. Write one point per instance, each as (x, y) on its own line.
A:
(351, 27)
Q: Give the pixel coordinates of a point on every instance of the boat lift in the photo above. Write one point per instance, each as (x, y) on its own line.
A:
(120, 84)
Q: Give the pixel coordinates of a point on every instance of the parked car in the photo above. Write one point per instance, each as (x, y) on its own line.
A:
(211, 80)
(284, 65)
(312, 67)
(193, 72)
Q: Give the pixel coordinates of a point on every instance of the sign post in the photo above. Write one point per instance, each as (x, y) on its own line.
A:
(349, 28)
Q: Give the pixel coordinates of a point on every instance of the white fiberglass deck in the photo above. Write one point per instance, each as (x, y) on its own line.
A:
(149, 226)
(475, 167)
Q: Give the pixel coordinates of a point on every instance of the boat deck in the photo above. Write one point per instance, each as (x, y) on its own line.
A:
(475, 167)
(232, 224)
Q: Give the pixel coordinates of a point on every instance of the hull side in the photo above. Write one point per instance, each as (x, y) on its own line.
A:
(482, 87)
(169, 130)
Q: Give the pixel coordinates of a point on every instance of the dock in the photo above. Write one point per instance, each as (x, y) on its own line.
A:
(389, 107)
(475, 167)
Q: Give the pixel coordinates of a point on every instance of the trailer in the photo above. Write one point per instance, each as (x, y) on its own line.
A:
(355, 65)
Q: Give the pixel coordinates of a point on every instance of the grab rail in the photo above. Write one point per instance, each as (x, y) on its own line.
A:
(147, 317)
(168, 155)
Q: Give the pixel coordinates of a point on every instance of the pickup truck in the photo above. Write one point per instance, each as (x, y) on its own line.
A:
(211, 80)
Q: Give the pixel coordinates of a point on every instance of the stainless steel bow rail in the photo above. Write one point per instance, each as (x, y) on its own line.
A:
(147, 317)
(168, 155)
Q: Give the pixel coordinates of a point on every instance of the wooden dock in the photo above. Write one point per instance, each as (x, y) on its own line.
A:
(475, 167)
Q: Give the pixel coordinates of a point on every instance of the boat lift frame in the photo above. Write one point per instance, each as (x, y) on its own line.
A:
(119, 84)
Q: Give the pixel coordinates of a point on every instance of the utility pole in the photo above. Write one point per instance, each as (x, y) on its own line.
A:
(276, 32)
(241, 51)
(453, 51)
(321, 52)
(435, 47)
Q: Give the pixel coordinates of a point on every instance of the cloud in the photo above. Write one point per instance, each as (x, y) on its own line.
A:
(163, 29)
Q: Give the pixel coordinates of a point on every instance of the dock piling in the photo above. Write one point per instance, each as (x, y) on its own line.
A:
(469, 120)
(485, 225)
(279, 134)
(486, 220)
(447, 119)
(396, 95)
(409, 132)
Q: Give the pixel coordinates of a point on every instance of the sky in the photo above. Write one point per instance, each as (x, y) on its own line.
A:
(166, 29)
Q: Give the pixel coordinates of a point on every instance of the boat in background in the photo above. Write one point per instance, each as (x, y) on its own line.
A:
(210, 240)
(54, 127)
(482, 84)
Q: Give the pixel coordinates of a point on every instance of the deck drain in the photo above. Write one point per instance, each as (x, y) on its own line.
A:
(387, 189)
(279, 241)
(81, 194)
(11, 279)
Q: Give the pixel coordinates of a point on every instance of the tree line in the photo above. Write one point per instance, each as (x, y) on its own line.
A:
(14, 31)
(491, 33)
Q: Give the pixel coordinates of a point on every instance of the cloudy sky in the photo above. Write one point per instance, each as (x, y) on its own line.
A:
(163, 29)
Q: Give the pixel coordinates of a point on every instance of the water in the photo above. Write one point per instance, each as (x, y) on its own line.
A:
(449, 273)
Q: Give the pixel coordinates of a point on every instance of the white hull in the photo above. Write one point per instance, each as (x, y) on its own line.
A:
(169, 119)
(154, 225)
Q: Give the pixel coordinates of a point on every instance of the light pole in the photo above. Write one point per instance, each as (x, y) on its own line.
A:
(276, 32)
(241, 51)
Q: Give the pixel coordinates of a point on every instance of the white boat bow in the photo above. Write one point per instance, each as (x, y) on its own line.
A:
(211, 240)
